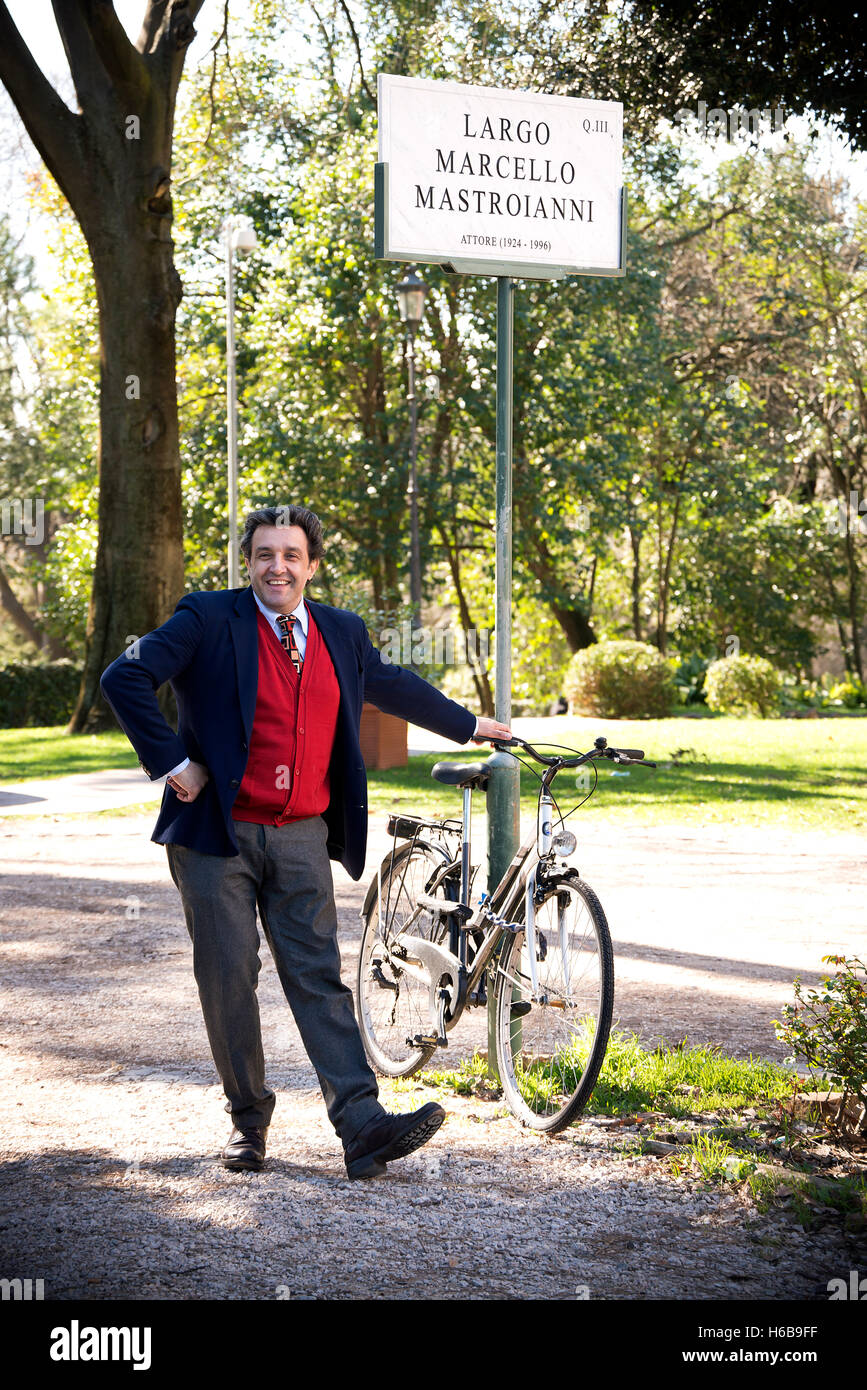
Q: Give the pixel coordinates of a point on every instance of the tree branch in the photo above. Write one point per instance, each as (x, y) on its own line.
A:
(706, 226)
(223, 36)
(171, 38)
(345, 8)
(120, 59)
(175, 29)
(53, 128)
(155, 21)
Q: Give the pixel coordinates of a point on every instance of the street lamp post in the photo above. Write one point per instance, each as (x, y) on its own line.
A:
(242, 238)
(410, 297)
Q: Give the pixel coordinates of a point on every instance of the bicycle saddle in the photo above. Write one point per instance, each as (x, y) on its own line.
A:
(462, 774)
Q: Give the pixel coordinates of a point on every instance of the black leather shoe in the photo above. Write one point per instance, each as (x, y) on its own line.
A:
(246, 1149)
(390, 1137)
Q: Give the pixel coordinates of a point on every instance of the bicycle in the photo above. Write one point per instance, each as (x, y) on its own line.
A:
(539, 943)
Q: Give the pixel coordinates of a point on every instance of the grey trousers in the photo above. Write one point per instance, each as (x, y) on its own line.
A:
(285, 872)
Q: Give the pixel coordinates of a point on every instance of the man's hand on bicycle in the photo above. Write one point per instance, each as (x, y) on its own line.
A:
(491, 728)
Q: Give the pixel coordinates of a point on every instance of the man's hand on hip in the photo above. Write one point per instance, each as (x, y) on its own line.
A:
(491, 728)
(189, 783)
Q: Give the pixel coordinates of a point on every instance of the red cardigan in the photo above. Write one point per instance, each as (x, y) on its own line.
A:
(286, 777)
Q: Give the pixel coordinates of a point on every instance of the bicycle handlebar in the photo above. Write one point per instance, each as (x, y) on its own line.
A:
(601, 750)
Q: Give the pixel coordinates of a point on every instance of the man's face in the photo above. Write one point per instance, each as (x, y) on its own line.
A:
(280, 566)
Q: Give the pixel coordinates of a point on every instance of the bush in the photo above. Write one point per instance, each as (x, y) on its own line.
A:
(743, 685)
(827, 1028)
(37, 696)
(620, 680)
(850, 693)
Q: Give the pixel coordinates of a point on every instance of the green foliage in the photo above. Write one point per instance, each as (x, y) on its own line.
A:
(38, 695)
(676, 1079)
(679, 1078)
(689, 679)
(827, 1027)
(743, 685)
(687, 439)
(714, 1157)
(620, 680)
(851, 694)
(48, 414)
(827, 694)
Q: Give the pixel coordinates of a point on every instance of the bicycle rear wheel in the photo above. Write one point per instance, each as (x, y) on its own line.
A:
(392, 995)
(551, 1045)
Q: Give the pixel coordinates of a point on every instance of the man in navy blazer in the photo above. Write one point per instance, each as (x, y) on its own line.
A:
(209, 651)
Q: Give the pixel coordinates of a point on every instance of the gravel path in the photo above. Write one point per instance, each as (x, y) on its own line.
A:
(112, 1186)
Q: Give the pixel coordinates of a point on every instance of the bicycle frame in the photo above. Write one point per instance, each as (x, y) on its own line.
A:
(491, 917)
(522, 880)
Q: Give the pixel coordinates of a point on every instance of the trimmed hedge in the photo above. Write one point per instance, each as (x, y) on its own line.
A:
(620, 680)
(38, 696)
(743, 685)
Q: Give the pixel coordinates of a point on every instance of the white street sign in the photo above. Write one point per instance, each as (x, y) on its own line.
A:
(493, 181)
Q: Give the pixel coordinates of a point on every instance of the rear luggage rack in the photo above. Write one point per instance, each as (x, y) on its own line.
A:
(410, 827)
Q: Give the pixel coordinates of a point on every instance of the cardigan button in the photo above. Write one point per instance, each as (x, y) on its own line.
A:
(234, 782)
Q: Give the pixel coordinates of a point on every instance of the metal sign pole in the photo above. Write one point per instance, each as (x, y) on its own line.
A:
(503, 799)
(574, 223)
(231, 409)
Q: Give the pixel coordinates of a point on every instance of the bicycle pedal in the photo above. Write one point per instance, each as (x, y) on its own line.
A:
(427, 1040)
(521, 1009)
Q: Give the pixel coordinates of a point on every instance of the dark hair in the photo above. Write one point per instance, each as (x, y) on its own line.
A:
(288, 515)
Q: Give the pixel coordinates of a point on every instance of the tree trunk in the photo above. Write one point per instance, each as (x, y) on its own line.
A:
(853, 578)
(139, 574)
(27, 624)
(481, 680)
(573, 619)
(112, 161)
(576, 627)
(635, 542)
(665, 579)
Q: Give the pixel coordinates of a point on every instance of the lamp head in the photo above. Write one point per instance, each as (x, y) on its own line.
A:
(244, 240)
(410, 298)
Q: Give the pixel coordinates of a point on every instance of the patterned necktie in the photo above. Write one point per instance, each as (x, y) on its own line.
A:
(288, 639)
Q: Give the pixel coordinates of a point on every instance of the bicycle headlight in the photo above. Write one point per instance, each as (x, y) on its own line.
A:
(564, 843)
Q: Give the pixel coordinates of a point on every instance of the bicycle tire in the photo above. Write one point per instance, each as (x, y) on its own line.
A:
(391, 1003)
(549, 1054)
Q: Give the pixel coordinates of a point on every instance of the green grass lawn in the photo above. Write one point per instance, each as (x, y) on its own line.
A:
(788, 772)
(28, 754)
(808, 773)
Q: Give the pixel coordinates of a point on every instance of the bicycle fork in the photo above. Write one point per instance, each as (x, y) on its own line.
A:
(544, 838)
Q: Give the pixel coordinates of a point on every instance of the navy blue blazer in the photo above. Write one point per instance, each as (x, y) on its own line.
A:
(209, 652)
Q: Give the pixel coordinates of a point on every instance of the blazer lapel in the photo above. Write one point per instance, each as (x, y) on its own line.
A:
(339, 648)
(245, 637)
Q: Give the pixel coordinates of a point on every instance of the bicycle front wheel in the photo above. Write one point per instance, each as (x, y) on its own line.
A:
(551, 1040)
(393, 990)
